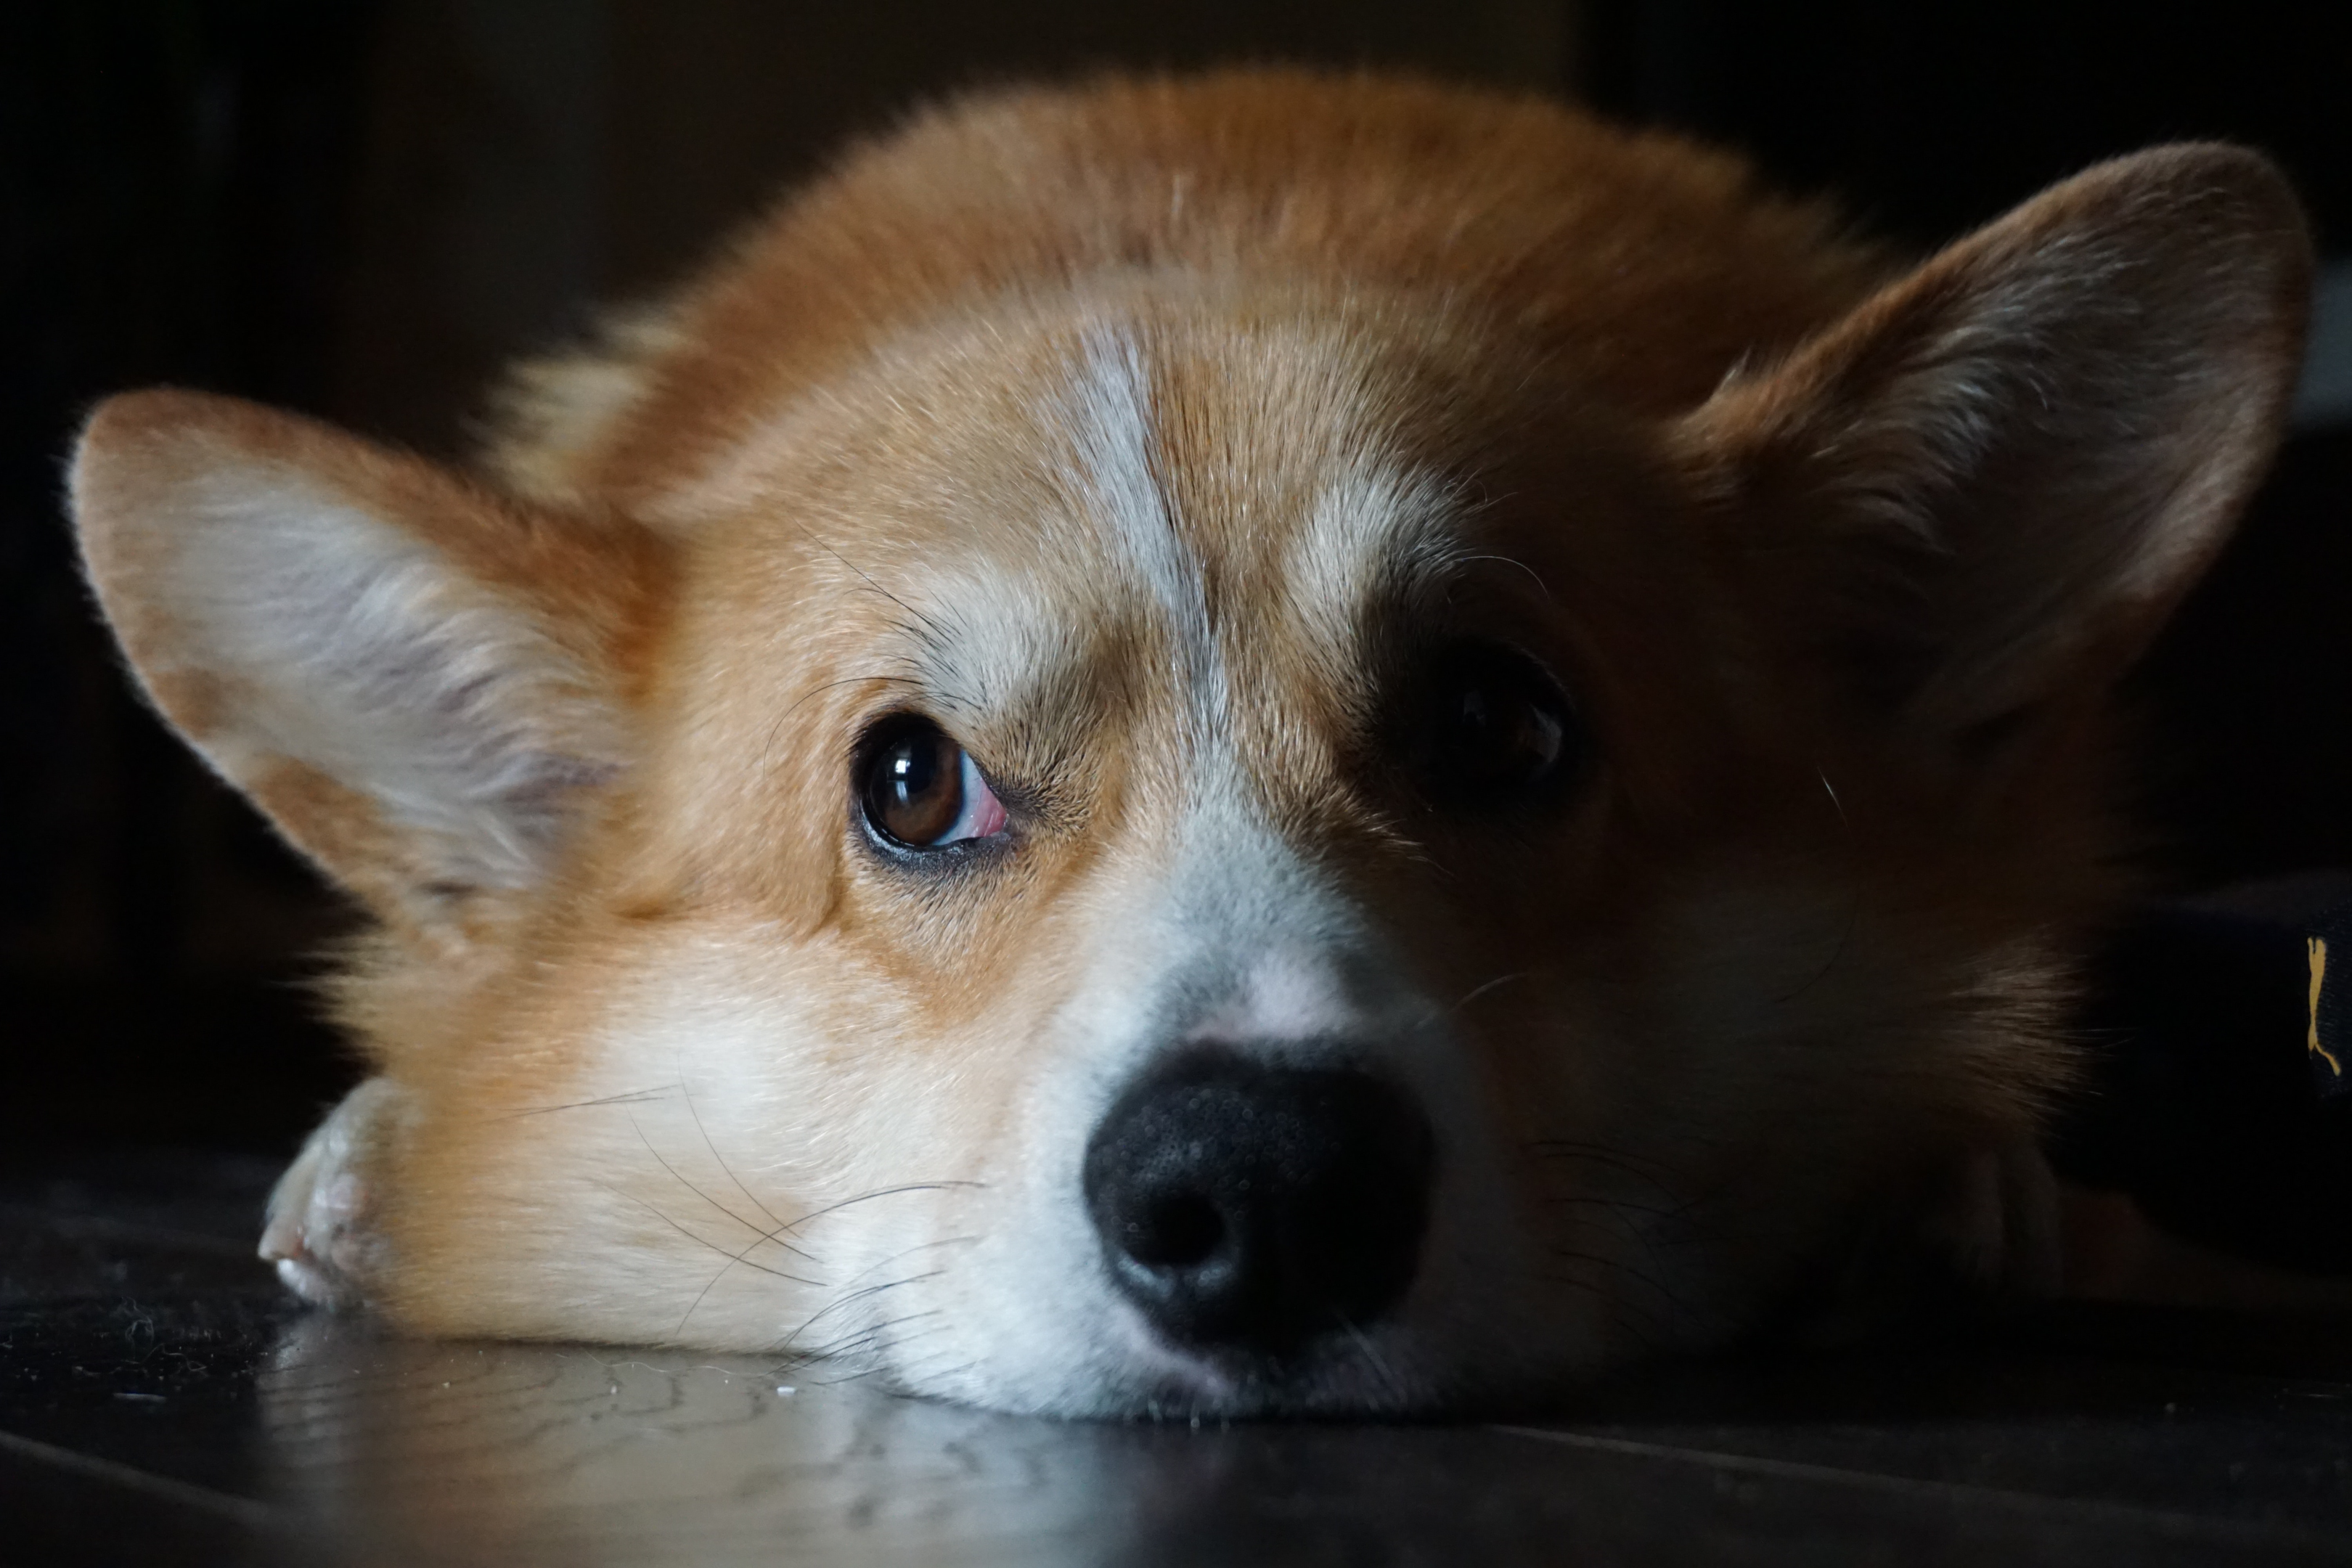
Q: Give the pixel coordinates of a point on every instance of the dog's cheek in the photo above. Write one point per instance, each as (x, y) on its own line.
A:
(901, 1132)
(1720, 1115)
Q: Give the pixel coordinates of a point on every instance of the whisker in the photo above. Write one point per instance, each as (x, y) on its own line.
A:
(1477, 991)
(1591, 1288)
(712, 1282)
(1372, 1359)
(690, 1188)
(635, 1097)
(869, 1197)
(782, 1229)
(917, 617)
(1626, 1205)
(1622, 1267)
(847, 1298)
(1507, 560)
(775, 730)
(1615, 1305)
(687, 1095)
(1852, 905)
(900, 1343)
(908, 1252)
(1648, 1240)
(813, 693)
(1602, 1155)
(957, 1371)
(703, 1241)
(850, 1345)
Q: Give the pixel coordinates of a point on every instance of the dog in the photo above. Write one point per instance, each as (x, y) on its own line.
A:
(1262, 743)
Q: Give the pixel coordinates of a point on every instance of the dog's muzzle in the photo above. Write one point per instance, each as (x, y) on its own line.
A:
(1248, 1208)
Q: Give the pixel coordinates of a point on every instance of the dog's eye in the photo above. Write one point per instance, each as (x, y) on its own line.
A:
(922, 791)
(1494, 729)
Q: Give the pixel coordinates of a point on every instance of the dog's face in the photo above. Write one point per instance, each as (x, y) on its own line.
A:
(1187, 845)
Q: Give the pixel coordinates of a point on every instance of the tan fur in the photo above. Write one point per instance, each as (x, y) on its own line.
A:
(1838, 600)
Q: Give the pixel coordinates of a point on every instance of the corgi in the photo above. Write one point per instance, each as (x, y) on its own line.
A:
(1262, 743)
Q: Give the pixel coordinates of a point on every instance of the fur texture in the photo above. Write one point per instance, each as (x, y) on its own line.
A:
(1153, 437)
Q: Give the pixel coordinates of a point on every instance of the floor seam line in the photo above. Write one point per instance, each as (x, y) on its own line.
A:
(2042, 1502)
(244, 1510)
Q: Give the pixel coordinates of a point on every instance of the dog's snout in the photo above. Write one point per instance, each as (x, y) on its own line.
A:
(1250, 1208)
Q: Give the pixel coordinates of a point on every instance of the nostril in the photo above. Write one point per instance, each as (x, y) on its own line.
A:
(1173, 1231)
(1252, 1207)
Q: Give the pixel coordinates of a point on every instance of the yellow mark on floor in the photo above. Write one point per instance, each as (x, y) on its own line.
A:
(2317, 949)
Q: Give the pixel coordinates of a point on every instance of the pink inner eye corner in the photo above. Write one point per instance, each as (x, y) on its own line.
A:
(984, 815)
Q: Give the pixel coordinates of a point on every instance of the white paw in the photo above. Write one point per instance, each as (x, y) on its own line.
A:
(320, 1231)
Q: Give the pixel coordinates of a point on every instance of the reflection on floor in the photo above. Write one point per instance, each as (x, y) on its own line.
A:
(159, 1401)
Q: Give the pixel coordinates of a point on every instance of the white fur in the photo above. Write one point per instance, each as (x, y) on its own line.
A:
(1107, 415)
(1381, 534)
(357, 649)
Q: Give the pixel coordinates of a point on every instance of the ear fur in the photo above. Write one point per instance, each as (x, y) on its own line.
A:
(413, 677)
(1992, 479)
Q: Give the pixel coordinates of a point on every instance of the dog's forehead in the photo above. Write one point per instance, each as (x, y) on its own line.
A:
(1226, 491)
(1232, 461)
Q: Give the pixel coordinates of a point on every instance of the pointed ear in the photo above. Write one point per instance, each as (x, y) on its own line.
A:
(1989, 484)
(414, 678)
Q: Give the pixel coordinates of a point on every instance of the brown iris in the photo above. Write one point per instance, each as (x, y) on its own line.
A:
(919, 789)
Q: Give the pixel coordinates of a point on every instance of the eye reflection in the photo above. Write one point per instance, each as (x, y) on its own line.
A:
(921, 790)
(1491, 728)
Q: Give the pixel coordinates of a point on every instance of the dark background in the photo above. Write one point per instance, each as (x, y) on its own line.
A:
(359, 207)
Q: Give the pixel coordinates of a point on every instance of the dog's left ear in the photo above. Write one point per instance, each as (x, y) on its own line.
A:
(1990, 482)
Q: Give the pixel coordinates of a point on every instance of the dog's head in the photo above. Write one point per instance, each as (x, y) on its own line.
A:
(1190, 842)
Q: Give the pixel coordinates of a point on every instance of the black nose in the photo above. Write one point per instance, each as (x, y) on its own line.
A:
(1250, 1208)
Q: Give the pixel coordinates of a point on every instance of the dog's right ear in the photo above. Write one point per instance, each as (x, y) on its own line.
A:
(413, 677)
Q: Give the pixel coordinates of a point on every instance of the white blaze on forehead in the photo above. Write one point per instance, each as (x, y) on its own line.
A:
(1380, 528)
(1106, 411)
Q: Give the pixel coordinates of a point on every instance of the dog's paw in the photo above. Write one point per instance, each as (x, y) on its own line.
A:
(320, 1231)
(1995, 1220)
(1980, 1229)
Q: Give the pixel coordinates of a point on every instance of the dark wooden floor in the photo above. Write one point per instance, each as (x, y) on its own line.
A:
(160, 1402)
